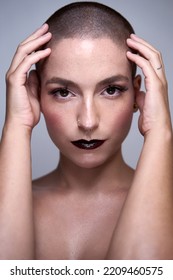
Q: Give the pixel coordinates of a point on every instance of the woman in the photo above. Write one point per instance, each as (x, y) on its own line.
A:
(93, 205)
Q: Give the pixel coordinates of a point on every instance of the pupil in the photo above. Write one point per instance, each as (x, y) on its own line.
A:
(64, 92)
(111, 90)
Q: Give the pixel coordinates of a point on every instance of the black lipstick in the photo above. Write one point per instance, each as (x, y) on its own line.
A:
(88, 145)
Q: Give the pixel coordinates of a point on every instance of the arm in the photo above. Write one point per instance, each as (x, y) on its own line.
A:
(16, 213)
(145, 227)
(16, 222)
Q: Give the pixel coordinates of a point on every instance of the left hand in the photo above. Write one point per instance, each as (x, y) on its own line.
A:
(153, 105)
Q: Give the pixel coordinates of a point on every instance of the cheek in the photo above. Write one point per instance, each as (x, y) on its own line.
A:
(120, 120)
(56, 122)
(125, 117)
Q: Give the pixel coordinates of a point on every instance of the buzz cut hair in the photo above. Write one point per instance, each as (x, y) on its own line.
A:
(90, 20)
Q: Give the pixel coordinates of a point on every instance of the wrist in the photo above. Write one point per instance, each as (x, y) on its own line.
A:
(14, 128)
(163, 133)
(159, 143)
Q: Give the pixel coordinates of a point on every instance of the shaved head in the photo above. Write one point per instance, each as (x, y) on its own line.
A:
(89, 20)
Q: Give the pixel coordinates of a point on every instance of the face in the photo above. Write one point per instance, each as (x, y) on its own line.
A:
(87, 98)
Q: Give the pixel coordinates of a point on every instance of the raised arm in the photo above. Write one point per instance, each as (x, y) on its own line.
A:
(145, 227)
(22, 114)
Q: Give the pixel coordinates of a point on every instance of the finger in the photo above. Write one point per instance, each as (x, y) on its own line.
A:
(151, 78)
(145, 49)
(39, 32)
(152, 55)
(142, 41)
(26, 49)
(20, 74)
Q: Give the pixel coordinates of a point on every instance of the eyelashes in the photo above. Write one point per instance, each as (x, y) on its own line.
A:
(60, 92)
(111, 91)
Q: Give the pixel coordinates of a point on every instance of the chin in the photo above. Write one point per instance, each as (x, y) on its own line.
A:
(89, 164)
(89, 161)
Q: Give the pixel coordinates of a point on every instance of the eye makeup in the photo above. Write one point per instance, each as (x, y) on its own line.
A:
(114, 90)
(61, 93)
(109, 87)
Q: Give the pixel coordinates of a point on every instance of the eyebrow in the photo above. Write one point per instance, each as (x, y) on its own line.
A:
(66, 82)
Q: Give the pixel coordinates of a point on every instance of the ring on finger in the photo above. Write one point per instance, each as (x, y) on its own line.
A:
(160, 67)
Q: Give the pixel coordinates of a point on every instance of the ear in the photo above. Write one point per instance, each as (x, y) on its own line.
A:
(136, 86)
(33, 83)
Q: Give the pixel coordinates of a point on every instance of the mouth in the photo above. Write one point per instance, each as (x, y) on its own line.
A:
(88, 145)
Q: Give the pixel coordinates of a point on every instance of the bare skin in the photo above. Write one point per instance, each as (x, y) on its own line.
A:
(86, 192)
(77, 225)
(77, 221)
(93, 206)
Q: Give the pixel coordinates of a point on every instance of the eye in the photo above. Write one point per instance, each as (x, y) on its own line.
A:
(114, 91)
(61, 93)
(111, 90)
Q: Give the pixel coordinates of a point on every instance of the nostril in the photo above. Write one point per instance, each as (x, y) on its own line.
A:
(87, 124)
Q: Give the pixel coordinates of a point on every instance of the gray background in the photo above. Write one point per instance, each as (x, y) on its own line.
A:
(152, 20)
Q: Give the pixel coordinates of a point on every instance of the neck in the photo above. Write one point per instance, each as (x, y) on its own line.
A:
(114, 173)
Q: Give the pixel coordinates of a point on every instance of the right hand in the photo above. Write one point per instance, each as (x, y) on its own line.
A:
(23, 106)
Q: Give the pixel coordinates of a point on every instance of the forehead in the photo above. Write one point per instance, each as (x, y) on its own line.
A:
(90, 57)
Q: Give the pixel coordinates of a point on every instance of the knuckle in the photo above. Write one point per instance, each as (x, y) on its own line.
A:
(158, 54)
(147, 64)
(28, 58)
(10, 77)
(7, 75)
(20, 48)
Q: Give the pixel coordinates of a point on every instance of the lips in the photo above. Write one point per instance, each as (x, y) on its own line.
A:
(88, 145)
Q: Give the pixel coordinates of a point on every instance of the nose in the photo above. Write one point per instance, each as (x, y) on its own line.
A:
(88, 117)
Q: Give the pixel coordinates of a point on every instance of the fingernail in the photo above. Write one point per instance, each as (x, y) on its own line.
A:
(133, 35)
(46, 35)
(44, 26)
